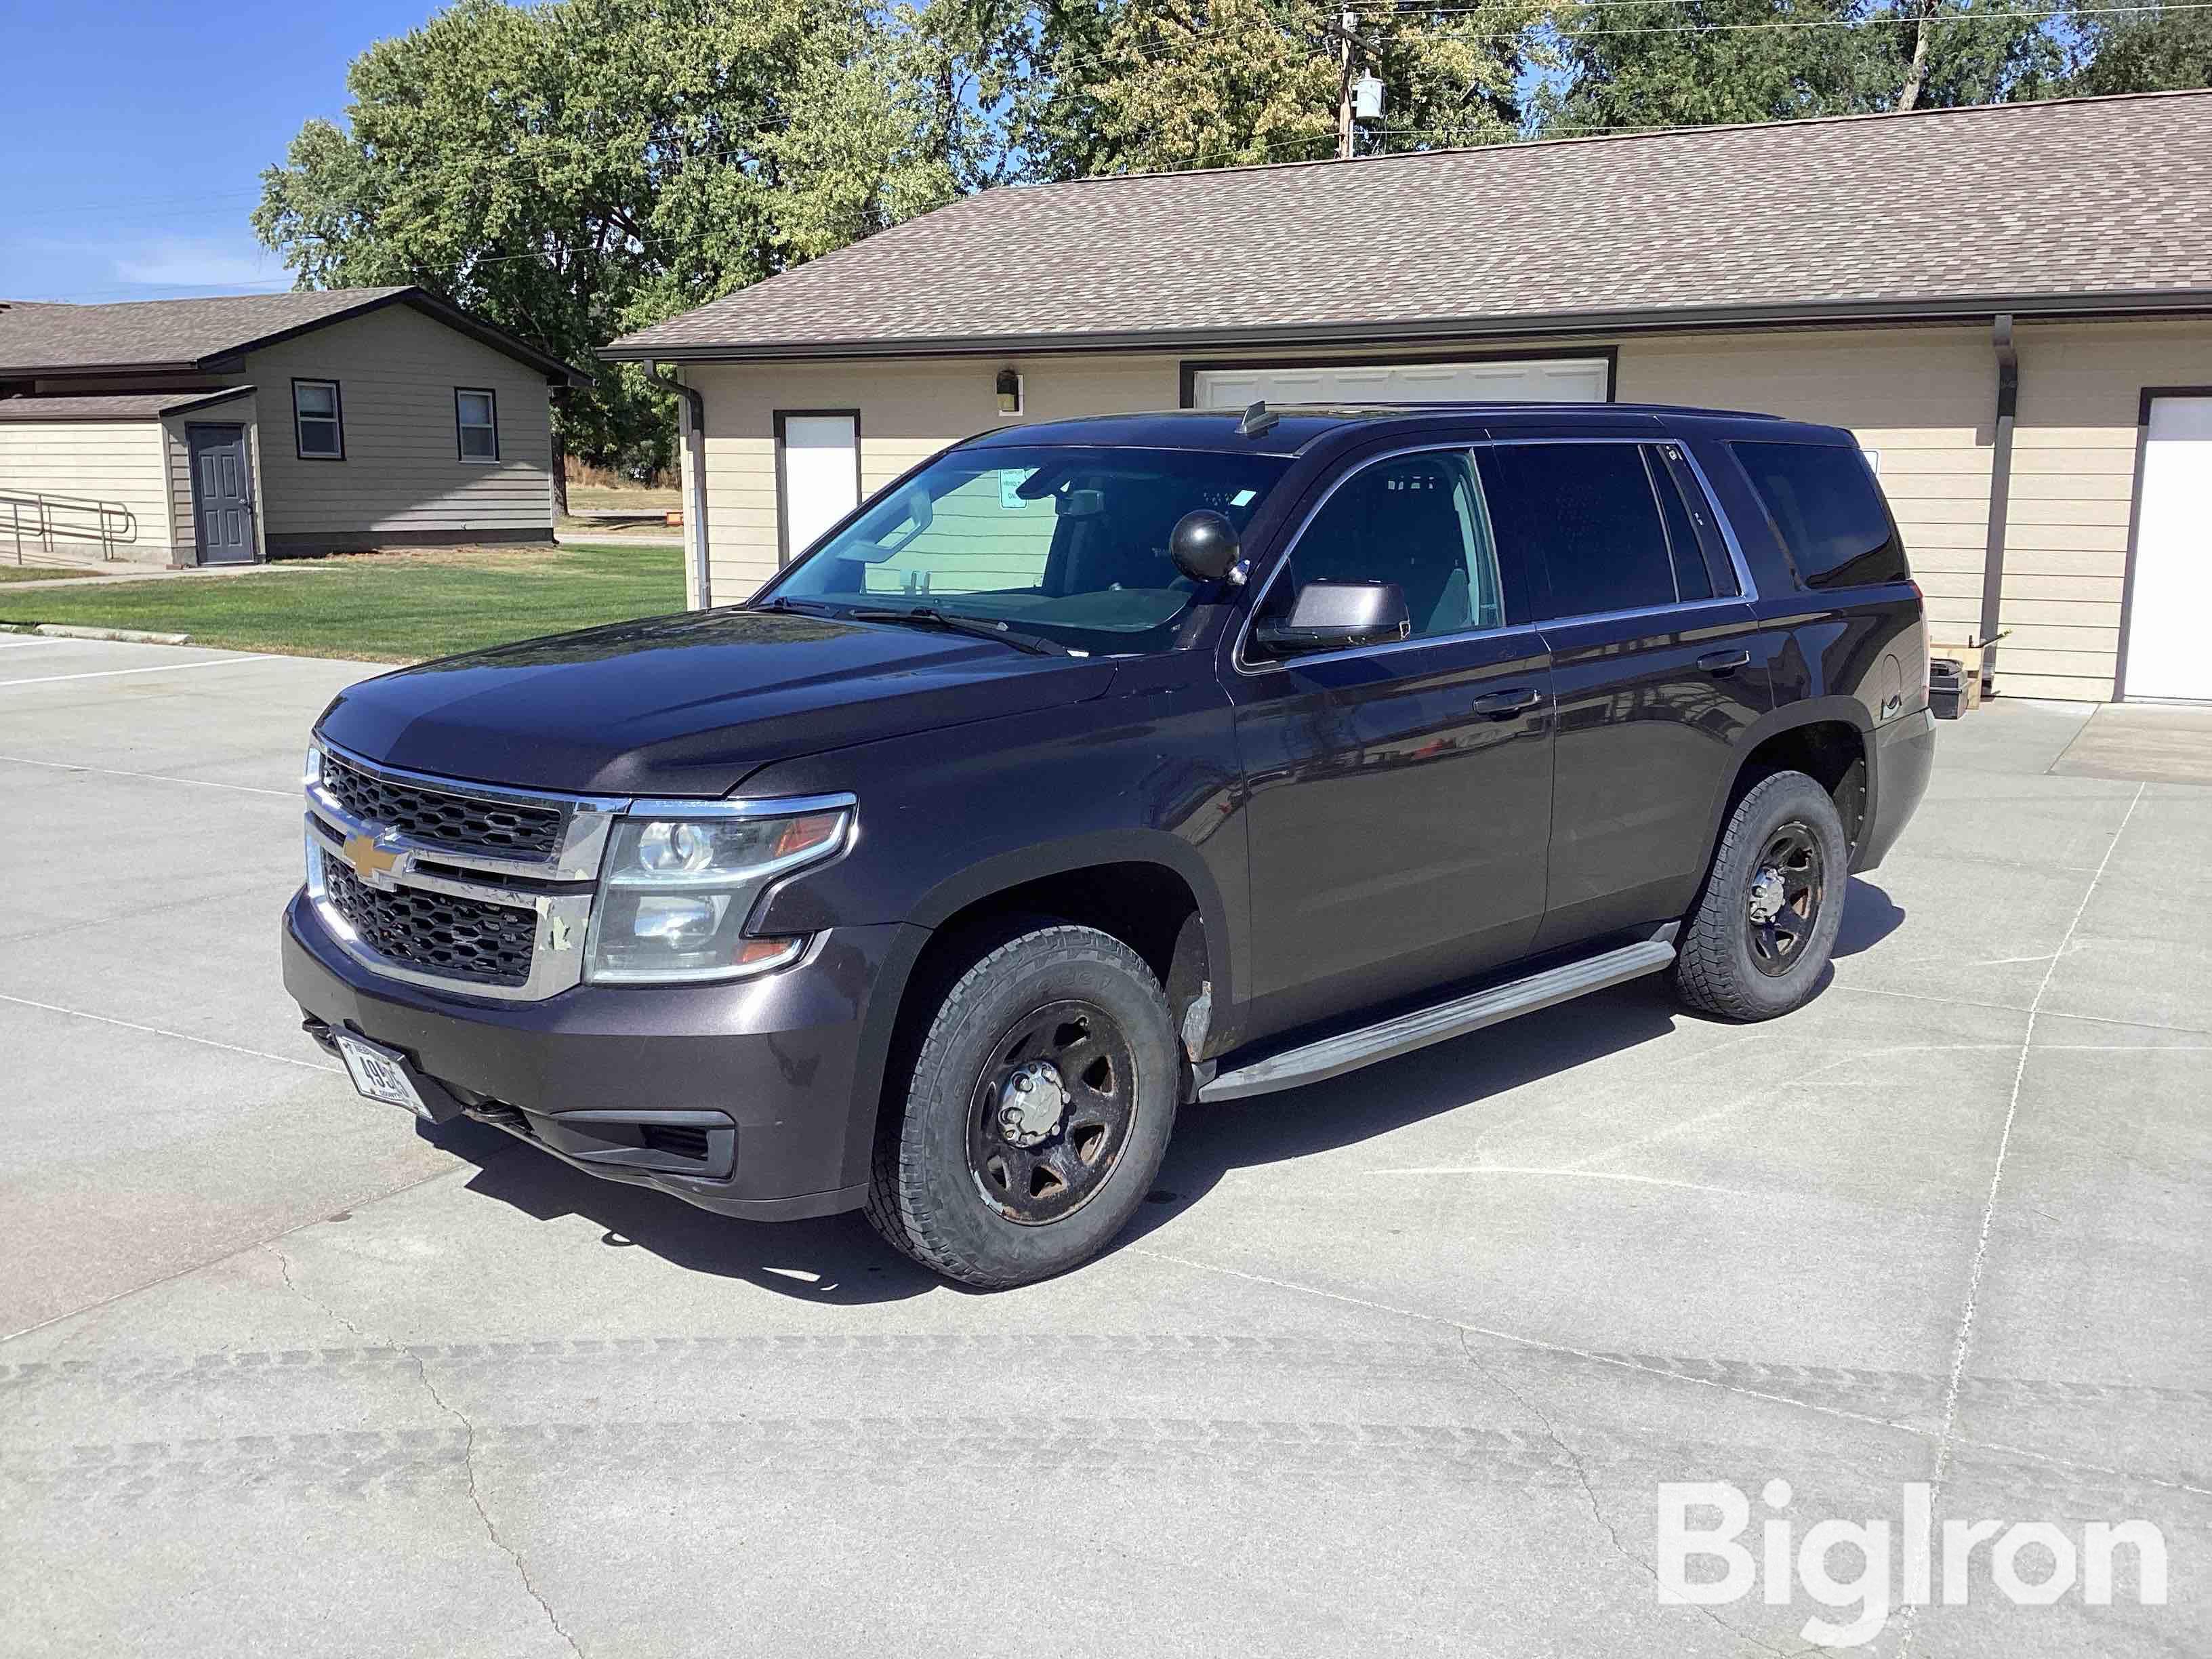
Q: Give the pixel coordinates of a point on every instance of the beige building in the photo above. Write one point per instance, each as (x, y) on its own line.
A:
(2011, 307)
(228, 430)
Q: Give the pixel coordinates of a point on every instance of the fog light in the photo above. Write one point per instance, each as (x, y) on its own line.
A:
(677, 924)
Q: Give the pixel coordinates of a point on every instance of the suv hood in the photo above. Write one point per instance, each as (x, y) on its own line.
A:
(688, 705)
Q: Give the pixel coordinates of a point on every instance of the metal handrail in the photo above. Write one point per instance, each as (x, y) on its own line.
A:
(62, 518)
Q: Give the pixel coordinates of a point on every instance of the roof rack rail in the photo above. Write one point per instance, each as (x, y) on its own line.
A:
(1258, 420)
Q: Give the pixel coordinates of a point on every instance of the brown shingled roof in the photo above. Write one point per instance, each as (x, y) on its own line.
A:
(112, 406)
(46, 339)
(2075, 204)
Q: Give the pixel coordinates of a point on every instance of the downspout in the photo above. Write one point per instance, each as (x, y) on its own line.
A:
(698, 574)
(2007, 356)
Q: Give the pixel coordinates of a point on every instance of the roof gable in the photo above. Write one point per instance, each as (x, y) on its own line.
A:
(45, 339)
(2072, 199)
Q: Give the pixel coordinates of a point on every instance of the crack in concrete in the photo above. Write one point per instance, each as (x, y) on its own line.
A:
(468, 1442)
(1597, 1510)
(1963, 1348)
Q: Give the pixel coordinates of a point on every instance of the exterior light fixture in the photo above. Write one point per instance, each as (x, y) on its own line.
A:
(1010, 392)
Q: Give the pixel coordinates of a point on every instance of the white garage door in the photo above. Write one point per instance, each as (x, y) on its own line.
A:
(2172, 597)
(1526, 379)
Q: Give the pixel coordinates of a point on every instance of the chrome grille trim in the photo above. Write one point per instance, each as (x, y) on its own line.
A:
(558, 889)
(586, 821)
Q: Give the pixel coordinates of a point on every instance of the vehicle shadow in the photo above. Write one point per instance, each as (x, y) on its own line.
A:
(840, 1261)
(837, 1260)
(1870, 916)
(1211, 1140)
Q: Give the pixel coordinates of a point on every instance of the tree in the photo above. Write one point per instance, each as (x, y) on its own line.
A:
(2152, 50)
(1172, 83)
(1711, 60)
(578, 169)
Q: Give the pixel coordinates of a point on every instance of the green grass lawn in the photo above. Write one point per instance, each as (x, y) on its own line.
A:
(39, 572)
(382, 607)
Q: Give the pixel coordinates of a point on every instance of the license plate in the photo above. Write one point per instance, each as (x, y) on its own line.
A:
(381, 1073)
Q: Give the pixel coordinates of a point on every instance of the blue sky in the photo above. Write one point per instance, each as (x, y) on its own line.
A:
(133, 134)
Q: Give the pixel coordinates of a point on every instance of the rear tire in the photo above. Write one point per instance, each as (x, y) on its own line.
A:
(1036, 1113)
(1765, 922)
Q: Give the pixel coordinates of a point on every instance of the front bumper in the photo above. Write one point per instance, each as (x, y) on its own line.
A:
(1904, 756)
(757, 1075)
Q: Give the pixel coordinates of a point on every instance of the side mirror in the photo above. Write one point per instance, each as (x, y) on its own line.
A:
(1333, 616)
(1204, 546)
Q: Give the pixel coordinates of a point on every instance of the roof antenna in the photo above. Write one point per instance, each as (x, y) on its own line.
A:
(1258, 420)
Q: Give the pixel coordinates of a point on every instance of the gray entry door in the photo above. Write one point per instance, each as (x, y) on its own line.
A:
(223, 495)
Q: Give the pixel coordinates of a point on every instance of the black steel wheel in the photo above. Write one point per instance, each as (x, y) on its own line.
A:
(1759, 936)
(1036, 1111)
(1051, 1113)
(1781, 911)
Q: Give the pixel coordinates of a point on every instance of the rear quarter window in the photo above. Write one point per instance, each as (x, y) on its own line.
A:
(1831, 518)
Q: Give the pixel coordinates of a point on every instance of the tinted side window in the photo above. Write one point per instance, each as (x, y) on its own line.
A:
(1416, 520)
(1691, 580)
(1826, 511)
(1589, 512)
(1668, 461)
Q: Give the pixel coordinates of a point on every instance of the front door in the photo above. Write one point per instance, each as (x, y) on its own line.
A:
(818, 468)
(223, 495)
(2172, 585)
(1399, 795)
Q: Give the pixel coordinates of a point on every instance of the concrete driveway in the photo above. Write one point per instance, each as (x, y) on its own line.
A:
(1393, 1365)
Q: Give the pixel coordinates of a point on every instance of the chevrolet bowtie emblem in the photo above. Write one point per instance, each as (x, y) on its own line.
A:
(372, 863)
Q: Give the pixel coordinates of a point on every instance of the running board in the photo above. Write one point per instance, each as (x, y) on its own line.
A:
(1333, 1056)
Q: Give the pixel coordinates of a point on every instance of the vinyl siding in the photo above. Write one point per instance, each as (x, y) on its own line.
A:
(2072, 486)
(1924, 398)
(120, 464)
(176, 445)
(397, 370)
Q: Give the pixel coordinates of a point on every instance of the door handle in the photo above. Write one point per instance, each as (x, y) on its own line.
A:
(1493, 704)
(1721, 662)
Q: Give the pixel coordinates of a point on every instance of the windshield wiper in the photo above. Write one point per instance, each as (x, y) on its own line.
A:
(970, 625)
(796, 607)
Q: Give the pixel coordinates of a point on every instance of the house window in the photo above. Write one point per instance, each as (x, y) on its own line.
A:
(476, 416)
(318, 428)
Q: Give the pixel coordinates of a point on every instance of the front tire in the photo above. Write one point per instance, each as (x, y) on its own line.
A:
(1766, 920)
(1037, 1115)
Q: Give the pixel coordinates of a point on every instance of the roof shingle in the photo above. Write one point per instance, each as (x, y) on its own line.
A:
(2086, 197)
(38, 338)
(112, 406)
(164, 331)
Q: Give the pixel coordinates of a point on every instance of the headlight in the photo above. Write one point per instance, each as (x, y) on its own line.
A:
(680, 881)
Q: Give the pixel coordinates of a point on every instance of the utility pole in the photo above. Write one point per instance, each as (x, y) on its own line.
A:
(1344, 43)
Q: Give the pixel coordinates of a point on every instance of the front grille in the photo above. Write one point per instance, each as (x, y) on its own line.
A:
(503, 828)
(434, 932)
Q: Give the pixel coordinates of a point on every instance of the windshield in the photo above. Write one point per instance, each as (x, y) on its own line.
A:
(1068, 543)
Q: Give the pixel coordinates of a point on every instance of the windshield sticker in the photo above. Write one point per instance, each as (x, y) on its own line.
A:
(1010, 480)
(1242, 498)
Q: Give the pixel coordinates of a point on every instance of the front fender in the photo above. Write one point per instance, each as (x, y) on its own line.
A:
(949, 818)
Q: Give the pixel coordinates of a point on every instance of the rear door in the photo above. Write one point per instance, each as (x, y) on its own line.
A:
(1650, 635)
(223, 495)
